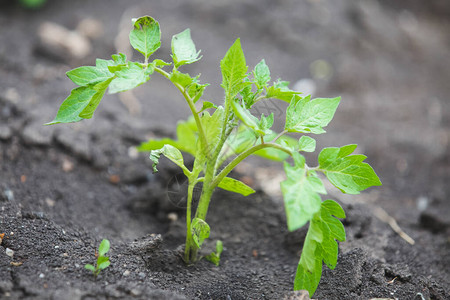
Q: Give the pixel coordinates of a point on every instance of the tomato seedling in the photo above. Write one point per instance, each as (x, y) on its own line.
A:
(102, 260)
(220, 137)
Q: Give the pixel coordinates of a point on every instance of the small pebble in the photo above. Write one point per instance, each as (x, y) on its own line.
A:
(173, 217)
(50, 202)
(126, 273)
(67, 165)
(135, 292)
(9, 252)
(41, 275)
(9, 195)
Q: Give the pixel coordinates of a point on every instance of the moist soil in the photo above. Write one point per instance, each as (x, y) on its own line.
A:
(64, 188)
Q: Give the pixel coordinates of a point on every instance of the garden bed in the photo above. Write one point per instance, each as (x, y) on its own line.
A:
(65, 188)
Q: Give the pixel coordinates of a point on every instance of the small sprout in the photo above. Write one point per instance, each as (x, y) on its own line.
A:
(102, 260)
(214, 257)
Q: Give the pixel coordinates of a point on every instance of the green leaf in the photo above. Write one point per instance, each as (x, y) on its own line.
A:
(108, 67)
(304, 115)
(219, 248)
(213, 128)
(160, 63)
(89, 110)
(261, 74)
(266, 123)
(245, 116)
(89, 75)
(186, 139)
(300, 192)
(73, 105)
(248, 96)
(145, 36)
(200, 231)
(239, 141)
(183, 49)
(171, 153)
(347, 172)
(90, 267)
(104, 263)
(236, 186)
(119, 59)
(262, 126)
(103, 248)
(214, 257)
(280, 90)
(129, 77)
(187, 136)
(320, 245)
(207, 105)
(307, 144)
(234, 70)
(190, 84)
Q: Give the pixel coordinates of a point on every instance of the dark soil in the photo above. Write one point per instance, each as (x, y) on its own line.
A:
(65, 188)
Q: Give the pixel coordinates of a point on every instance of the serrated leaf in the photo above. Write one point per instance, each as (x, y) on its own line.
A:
(103, 248)
(100, 89)
(90, 267)
(145, 36)
(261, 126)
(190, 84)
(70, 109)
(236, 186)
(320, 245)
(119, 59)
(234, 70)
(347, 172)
(89, 75)
(261, 74)
(248, 96)
(280, 90)
(128, 77)
(307, 144)
(171, 153)
(207, 105)
(212, 125)
(183, 49)
(200, 231)
(160, 63)
(300, 193)
(310, 116)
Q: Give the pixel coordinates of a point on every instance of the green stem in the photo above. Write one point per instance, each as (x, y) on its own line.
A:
(243, 156)
(201, 131)
(191, 250)
(279, 135)
(189, 241)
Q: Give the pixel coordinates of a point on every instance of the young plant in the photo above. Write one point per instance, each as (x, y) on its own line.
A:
(214, 257)
(102, 260)
(220, 137)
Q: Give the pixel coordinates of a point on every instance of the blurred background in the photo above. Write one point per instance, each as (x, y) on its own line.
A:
(389, 61)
